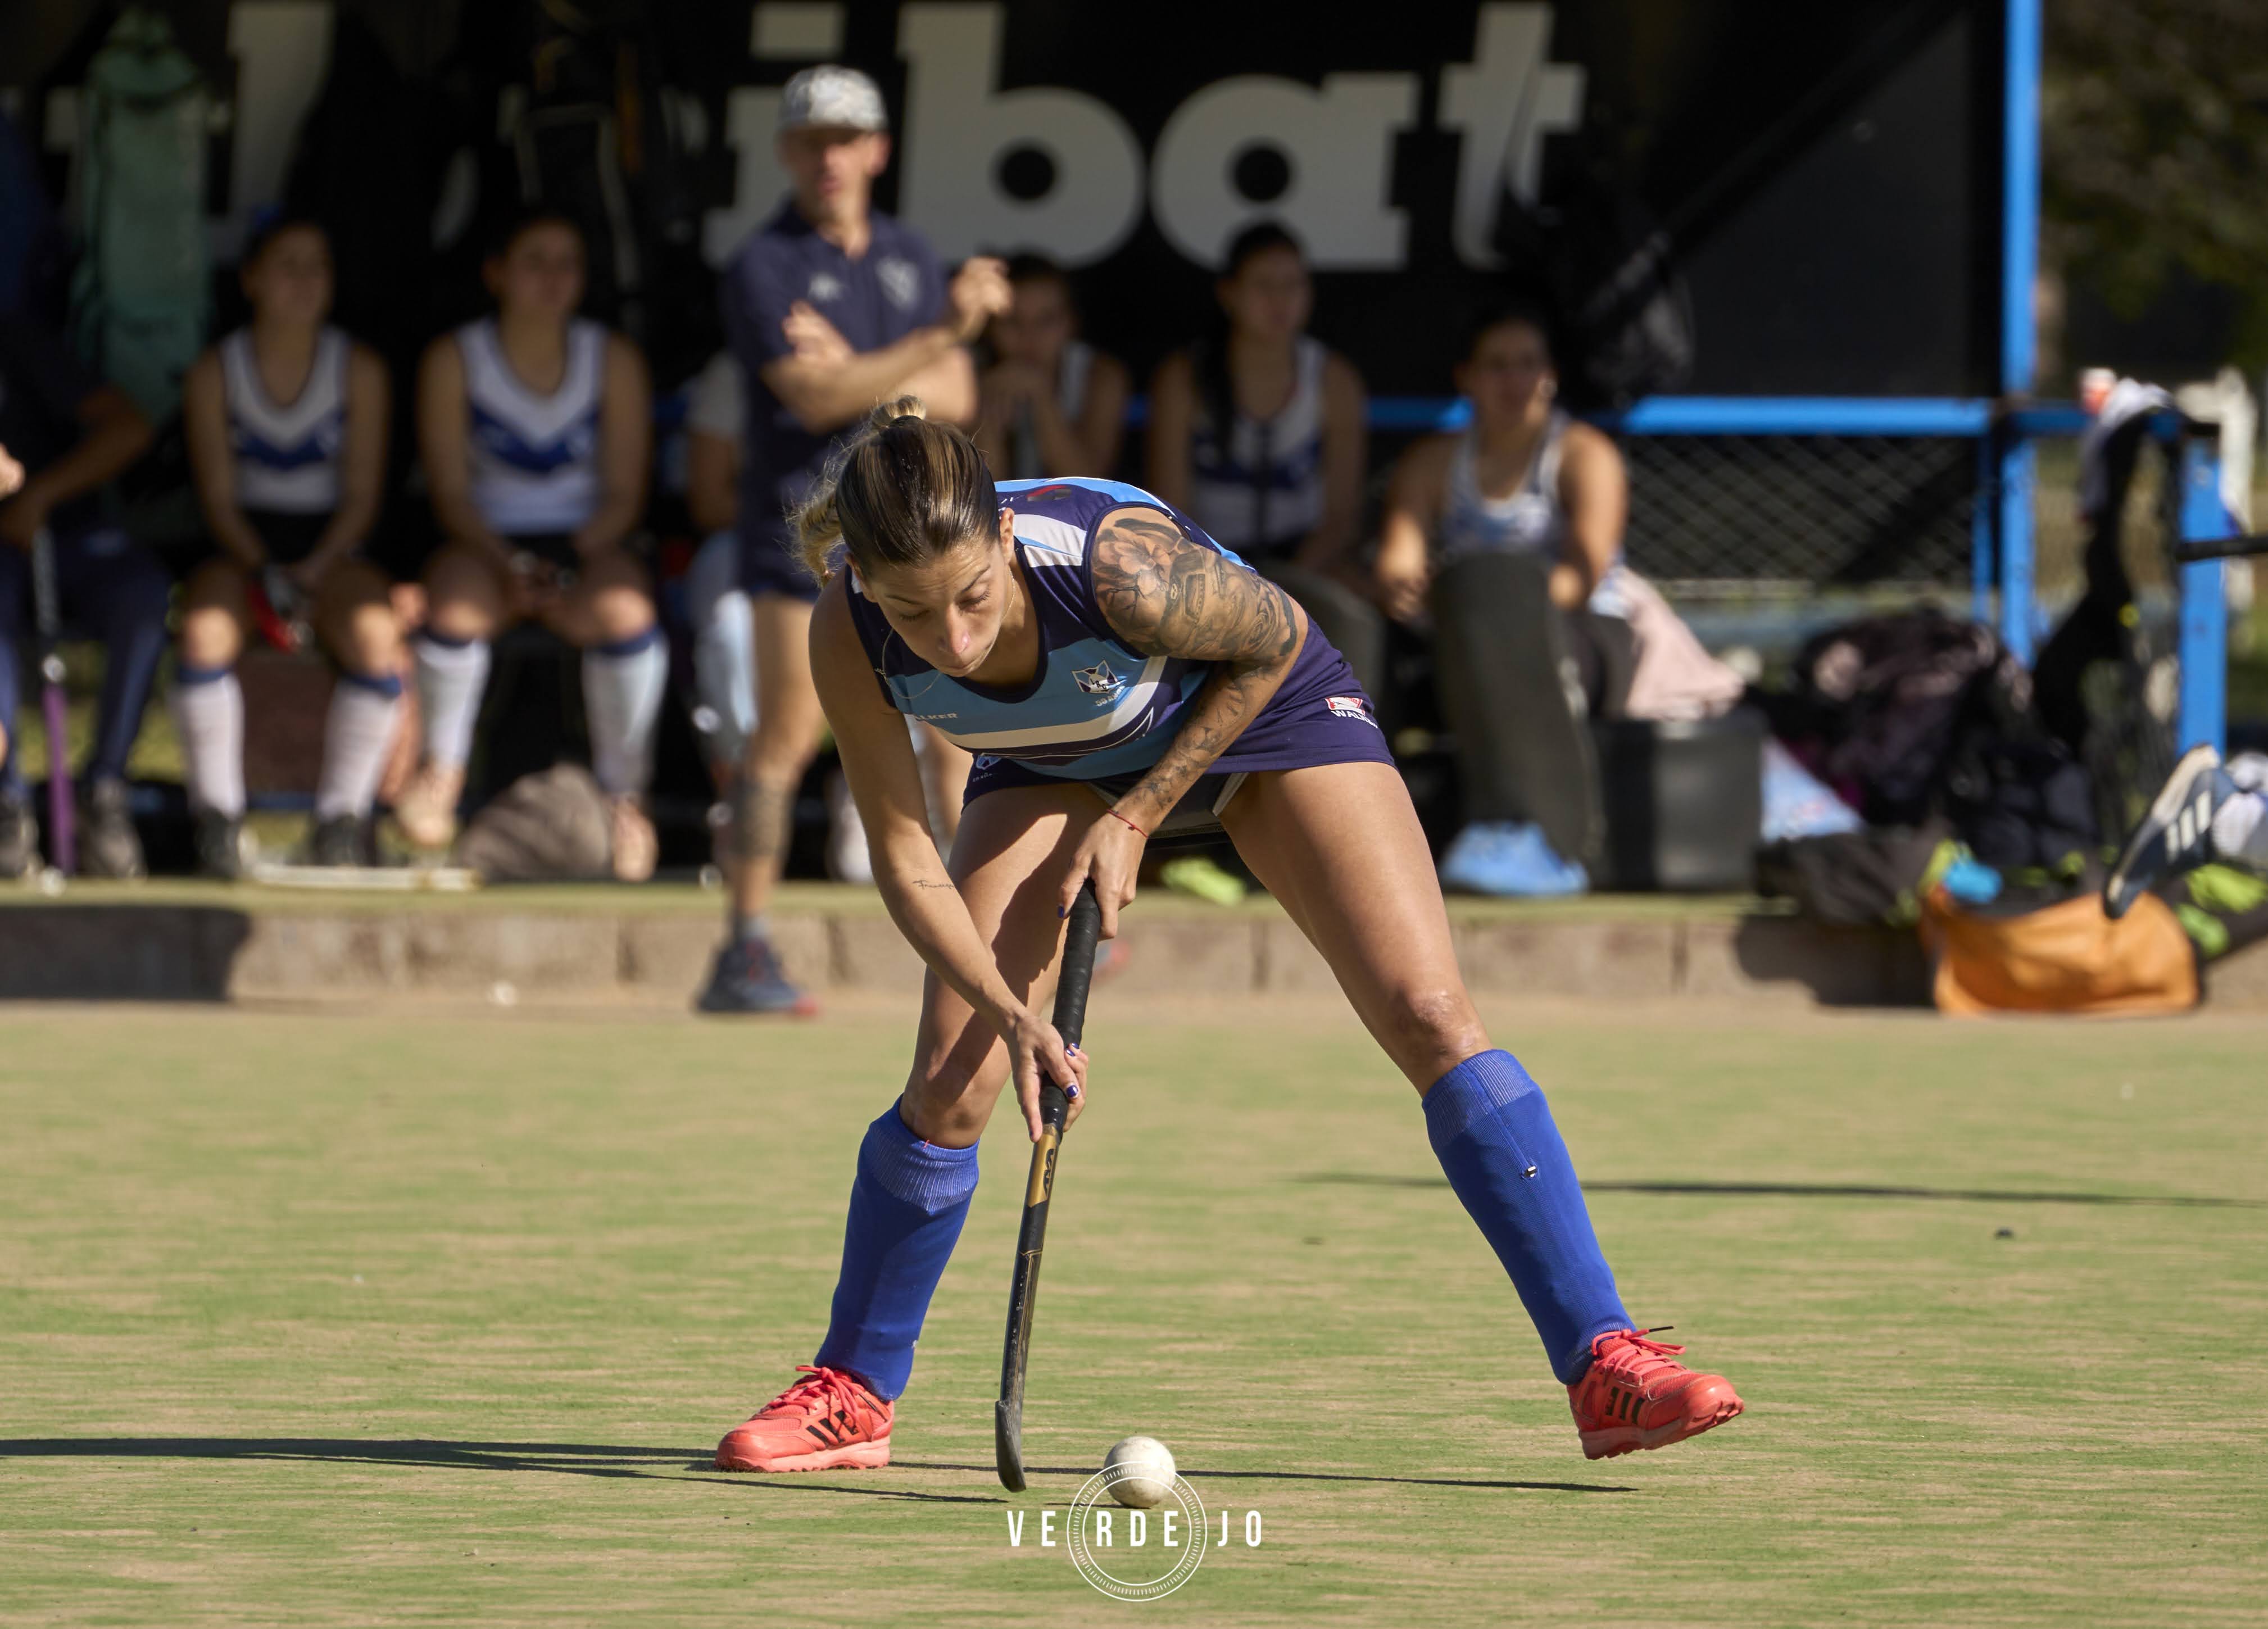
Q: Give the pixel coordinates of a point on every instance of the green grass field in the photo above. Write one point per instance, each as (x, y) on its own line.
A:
(434, 1316)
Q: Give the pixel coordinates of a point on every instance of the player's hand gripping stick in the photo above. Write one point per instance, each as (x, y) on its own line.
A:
(1084, 925)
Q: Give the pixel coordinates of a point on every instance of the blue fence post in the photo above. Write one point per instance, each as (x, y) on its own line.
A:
(2020, 231)
(2205, 601)
(2018, 596)
(1984, 529)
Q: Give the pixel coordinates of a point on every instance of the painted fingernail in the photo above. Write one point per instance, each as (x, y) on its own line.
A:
(1071, 1092)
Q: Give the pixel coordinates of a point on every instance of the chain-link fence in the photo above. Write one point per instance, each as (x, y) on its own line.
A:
(1801, 513)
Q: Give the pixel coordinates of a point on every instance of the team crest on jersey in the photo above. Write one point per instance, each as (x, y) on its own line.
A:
(825, 285)
(1351, 707)
(1100, 682)
(900, 280)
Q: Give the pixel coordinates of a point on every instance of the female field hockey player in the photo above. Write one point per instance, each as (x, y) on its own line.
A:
(533, 428)
(1120, 674)
(286, 423)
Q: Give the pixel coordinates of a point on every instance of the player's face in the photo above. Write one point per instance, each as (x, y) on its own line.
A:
(833, 171)
(290, 282)
(1509, 376)
(1036, 327)
(540, 274)
(1269, 297)
(948, 609)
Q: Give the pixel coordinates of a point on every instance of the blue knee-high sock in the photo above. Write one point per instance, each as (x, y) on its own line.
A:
(906, 1210)
(1492, 1133)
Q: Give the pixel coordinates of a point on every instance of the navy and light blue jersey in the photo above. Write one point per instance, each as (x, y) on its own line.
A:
(287, 455)
(535, 458)
(1096, 706)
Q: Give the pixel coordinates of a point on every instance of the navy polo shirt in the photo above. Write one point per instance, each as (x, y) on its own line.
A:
(875, 300)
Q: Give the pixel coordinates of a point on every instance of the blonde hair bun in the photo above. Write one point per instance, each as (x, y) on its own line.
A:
(950, 497)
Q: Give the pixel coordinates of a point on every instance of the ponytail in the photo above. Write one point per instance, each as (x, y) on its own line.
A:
(899, 491)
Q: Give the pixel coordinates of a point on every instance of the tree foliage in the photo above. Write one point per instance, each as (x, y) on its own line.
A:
(2155, 149)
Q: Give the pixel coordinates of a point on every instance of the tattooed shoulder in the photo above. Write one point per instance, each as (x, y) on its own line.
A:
(1167, 596)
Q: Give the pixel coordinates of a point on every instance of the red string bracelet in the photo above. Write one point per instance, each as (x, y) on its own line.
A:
(1115, 815)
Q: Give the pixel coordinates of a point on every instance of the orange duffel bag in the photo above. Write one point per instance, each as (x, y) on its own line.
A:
(2063, 958)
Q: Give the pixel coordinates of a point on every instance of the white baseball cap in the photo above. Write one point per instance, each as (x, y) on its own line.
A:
(833, 98)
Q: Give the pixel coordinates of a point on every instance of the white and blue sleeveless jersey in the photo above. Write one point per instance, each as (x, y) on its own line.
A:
(535, 458)
(1096, 707)
(287, 456)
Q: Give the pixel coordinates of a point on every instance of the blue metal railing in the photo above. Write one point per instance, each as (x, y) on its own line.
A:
(2003, 551)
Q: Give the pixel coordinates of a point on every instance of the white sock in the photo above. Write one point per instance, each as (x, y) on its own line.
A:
(724, 648)
(358, 739)
(2240, 830)
(724, 673)
(209, 711)
(622, 686)
(451, 676)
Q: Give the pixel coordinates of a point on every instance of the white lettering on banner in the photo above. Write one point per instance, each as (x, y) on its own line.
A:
(1337, 141)
(751, 126)
(1504, 104)
(958, 127)
(281, 48)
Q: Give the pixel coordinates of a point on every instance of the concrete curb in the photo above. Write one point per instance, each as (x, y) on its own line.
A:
(215, 952)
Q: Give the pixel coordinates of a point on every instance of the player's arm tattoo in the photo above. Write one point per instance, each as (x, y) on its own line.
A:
(1167, 596)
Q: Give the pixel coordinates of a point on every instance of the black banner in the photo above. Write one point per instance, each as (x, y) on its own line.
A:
(1825, 177)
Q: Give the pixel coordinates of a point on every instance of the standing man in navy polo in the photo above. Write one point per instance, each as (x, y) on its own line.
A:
(829, 309)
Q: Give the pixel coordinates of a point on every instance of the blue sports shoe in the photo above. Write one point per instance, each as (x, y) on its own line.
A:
(1511, 860)
(747, 979)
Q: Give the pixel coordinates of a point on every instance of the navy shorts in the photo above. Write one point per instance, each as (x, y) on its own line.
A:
(770, 564)
(1319, 716)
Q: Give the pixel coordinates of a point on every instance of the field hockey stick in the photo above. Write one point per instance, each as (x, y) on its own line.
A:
(47, 620)
(1085, 925)
(2221, 549)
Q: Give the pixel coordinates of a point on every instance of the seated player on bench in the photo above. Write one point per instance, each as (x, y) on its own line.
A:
(68, 433)
(1527, 482)
(1050, 402)
(1120, 674)
(533, 426)
(1260, 431)
(286, 421)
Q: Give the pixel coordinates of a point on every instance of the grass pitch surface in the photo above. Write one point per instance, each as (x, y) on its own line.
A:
(435, 1315)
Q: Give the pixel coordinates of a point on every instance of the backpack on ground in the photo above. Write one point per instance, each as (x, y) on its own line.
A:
(1878, 704)
(142, 293)
(551, 827)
